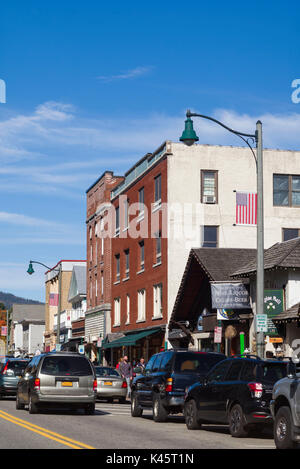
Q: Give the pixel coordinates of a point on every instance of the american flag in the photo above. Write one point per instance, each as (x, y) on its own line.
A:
(53, 299)
(246, 208)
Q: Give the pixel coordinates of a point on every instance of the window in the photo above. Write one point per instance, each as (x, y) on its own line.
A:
(234, 371)
(127, 263)
(117, 267)
(158, 248)
(290, 233)
(141, 201)
(96, 288)
(150, 363)
(157, 190)
(142, 255)
(157, 301)
(219, 371)
(117, 221)
(286, 190)
(166, 363)
(126, 216)
(127, 309)
(117, 309)
(209, 186)
(210, 237)
(156, 364)
(141, 305)
(102, 283)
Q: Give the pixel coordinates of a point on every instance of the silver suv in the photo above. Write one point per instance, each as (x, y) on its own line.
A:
(285, 409)
(58, 378)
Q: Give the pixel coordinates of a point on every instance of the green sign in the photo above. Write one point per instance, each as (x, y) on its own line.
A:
(273, 305)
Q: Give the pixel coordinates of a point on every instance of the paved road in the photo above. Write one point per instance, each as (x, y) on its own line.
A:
(112, 427)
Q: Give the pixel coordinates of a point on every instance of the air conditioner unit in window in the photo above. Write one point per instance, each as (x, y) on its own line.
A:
(209, 199)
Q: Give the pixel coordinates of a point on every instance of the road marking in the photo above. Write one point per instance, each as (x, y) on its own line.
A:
(44, 432)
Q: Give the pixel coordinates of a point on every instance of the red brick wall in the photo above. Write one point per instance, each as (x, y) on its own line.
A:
(151, 275)
(98, 265)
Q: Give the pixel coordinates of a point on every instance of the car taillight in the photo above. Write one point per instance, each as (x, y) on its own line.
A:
(256, 389)
(124, 384)
(169, 385)
(4, 371)
(37, 384)
(95, 385)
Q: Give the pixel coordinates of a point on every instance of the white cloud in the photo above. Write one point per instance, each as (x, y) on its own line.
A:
(133, 73)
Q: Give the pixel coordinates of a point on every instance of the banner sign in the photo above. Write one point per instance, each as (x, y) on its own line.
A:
(273, 305)
(230, 296)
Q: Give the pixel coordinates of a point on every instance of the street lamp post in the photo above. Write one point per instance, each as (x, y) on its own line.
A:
(30, 271)
(189, 137)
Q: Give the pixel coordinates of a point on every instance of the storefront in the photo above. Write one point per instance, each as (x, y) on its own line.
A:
(196, 321)
(135, 345)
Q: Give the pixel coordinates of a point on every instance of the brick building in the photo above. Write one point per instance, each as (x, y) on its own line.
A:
(139, 261)
(98, 275)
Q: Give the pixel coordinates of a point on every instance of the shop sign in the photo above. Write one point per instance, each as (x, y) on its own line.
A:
(273, 305)
(229, 296)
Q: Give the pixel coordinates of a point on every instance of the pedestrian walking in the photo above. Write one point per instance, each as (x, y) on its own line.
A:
(127, 373)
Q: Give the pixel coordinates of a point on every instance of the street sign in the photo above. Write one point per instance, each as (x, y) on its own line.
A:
(261, 323)
(218, 335)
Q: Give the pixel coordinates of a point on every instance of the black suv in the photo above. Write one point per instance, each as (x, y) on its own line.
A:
(167, 374)
(237, 392)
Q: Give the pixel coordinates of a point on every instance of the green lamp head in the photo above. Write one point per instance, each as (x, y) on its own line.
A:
(30, 270)
(189, 136)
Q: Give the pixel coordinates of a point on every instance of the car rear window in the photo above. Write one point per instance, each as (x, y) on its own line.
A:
(74, 366)
(105, 371)
(272, 372)
(196, 362)
(16, 367)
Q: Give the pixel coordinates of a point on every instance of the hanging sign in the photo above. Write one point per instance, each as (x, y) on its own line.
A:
(229, 296)
(273, 305)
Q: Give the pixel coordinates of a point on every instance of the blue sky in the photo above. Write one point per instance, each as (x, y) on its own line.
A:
(94, 86)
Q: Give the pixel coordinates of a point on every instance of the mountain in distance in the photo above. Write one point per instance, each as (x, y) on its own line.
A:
(8, 299)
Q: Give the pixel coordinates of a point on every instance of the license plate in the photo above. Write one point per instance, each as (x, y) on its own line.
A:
(107, 383)
(67, 383)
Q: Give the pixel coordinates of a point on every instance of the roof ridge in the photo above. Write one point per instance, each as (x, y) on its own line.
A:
(285, 255)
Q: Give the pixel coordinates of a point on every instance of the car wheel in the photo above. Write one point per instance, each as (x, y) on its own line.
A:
(136, 410)
(237, 425)
(160, 413)
(32, 407)
(19, 405)
(190, 415)
(283, 429)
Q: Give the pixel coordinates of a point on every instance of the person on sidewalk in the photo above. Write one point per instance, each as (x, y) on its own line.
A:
(126, 372)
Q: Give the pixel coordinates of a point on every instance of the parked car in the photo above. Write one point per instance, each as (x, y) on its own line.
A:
(236, 392)
(55, 379)
(167, 374)
(110, 384)
(11, 369)
(285, 409)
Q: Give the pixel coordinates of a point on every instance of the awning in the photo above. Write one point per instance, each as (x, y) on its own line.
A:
(130, 339)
